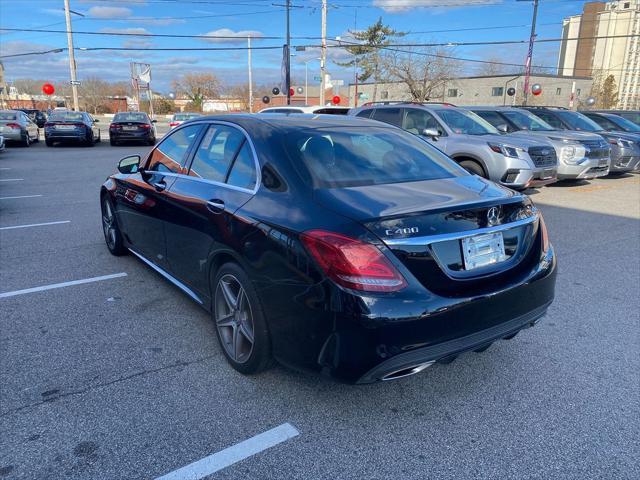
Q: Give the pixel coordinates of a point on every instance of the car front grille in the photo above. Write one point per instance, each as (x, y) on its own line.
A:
(596, 149)
(543, 156)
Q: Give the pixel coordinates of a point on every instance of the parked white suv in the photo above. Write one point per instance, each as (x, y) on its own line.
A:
(475, 144)
(582, 155)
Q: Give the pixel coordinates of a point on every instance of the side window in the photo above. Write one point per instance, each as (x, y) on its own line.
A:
(604, 122)
(388, 115)
(550, 119)
(365, 113)
(216, 152)
(243, 171)
(416, 121)
(171, 153)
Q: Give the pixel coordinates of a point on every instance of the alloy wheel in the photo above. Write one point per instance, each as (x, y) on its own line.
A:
(234, 319)
(108, 224)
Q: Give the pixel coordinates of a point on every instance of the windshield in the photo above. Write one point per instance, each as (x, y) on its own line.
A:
(130, 117)
(578, 121)
(527, 121)
(7, 116)
(626, 125)
(467, 123)
(66, 117)
(348, 157)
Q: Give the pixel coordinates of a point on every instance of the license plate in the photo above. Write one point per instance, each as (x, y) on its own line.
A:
(65, 127)
(482, 250)
(129, 128)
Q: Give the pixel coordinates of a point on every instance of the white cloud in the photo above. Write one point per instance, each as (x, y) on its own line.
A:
(131, 30)
(230, 36)
(405, 5)
(109, 12)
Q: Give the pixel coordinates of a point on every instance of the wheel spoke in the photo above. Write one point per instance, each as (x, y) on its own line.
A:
(235, 346)
(225, 320)
(229, 297)
(246, 332)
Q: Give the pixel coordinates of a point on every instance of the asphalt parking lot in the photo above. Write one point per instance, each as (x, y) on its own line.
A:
(122, 377)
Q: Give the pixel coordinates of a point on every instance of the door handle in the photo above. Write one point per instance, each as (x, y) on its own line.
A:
(160, 186)
(216, 206)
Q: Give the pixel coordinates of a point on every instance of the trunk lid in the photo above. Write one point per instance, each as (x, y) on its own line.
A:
(423, 224)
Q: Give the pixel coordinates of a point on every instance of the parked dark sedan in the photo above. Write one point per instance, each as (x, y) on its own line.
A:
(612, 122)
(132, 127)
(70, 126)
(37, 116)
(334, 244)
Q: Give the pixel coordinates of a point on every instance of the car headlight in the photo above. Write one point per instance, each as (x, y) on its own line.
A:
(506, 150)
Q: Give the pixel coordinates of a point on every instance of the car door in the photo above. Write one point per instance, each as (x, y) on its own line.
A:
(31, 127)
(141, 198)
(416, 121)
(222, 177)
(92, 122)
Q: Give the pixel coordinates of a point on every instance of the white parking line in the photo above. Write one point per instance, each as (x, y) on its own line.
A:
(61, 285)
(35, 225)
(11, 179)
(20, 196)
(234, 454)
(5, 168)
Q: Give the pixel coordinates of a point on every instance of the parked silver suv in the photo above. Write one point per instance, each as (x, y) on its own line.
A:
(581, 155)
(475, 144)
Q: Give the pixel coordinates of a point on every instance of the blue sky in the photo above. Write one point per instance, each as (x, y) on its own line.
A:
(425, 19)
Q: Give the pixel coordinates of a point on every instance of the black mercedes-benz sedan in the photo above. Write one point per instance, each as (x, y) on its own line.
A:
(333, 244)
(132, 127)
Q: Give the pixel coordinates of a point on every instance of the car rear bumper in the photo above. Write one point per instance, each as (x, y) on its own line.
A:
(61, 135)
(13, 135)
(361, 339)
(131, 136)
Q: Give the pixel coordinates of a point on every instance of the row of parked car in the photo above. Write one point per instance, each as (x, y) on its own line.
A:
(519, 147)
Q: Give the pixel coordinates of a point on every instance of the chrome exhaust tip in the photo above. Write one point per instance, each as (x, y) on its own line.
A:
(407, 371)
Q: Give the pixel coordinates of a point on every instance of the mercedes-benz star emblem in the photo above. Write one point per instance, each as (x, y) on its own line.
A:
(493, 216)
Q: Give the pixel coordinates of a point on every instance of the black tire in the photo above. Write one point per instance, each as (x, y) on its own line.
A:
(99, 139)
(151, 142)
(26, 141)
(110, 228)
(90, 141)
(474, 167)
(112, 142)
(231, 324)
(48, 142)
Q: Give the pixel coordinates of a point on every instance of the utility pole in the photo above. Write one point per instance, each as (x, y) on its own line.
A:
(323, 55)
(250, 75)
(72, 58)
(528, 63)
(288, 59)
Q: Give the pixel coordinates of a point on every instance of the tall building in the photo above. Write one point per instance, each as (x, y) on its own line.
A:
(595, 56)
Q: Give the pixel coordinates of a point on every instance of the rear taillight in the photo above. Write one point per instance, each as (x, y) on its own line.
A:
(173, 124)
(146, 126)
(113, 126)
(352, 263)
(13, 125)
(545, 236)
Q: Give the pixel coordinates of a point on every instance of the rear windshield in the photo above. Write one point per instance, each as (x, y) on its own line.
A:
(7, 116)
(332, 111)
(527, 121)
(356, 156)
(466, 123)
(66, 117)
(578, 121)
(130, 117)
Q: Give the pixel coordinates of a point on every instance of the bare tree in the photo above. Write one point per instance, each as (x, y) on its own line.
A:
(241, 93)
(197, 87)
(93, 92)
(425, 72)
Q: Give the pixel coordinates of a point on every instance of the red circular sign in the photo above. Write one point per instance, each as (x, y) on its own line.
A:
(48, 89)
(335, 100)
(536, 89)
(291, 92)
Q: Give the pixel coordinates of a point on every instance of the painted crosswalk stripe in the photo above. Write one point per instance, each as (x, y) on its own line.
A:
(62, 285)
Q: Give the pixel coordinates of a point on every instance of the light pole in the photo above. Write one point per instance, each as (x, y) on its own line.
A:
(250, 75)
(532, 38)
(323, 56)
(72, 58)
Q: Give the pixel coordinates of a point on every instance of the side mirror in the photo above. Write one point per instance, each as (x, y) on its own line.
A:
(130, 164)
(431, 132)
(154, 121)
(503, 127)
(95, 120)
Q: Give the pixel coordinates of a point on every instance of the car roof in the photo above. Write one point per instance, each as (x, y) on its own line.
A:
(292, 121)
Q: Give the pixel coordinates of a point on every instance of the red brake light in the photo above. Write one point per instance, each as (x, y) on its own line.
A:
(352, 263)
(173, 124)
(146, 126)
(13, 125)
